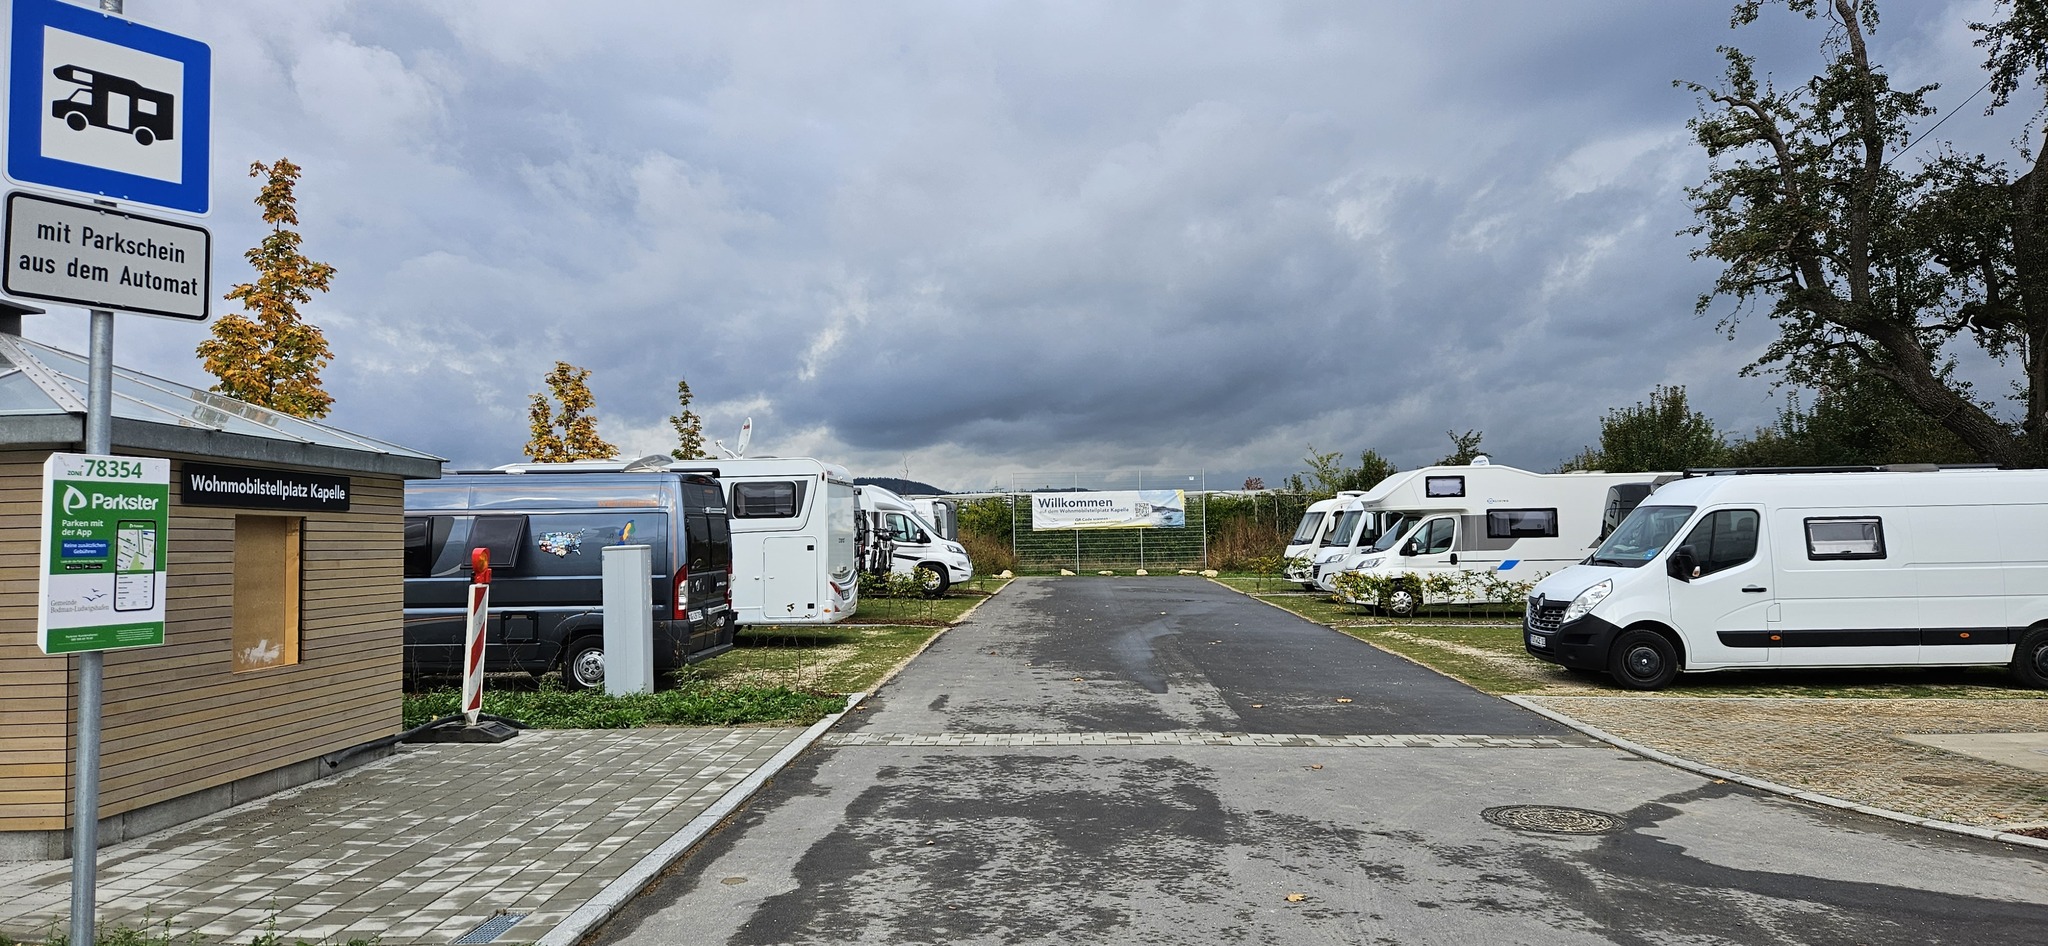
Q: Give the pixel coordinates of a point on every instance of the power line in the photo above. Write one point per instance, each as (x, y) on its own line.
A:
(1924, 135)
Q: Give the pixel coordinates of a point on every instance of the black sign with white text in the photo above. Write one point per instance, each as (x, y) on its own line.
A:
(251, 488)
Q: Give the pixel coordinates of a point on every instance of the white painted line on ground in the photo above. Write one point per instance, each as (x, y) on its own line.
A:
(1990, 834)
(616, 894)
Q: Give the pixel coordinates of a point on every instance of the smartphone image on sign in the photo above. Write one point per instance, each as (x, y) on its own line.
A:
(134, 565)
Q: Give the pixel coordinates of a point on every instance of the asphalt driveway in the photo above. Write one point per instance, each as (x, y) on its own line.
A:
(1164, 760)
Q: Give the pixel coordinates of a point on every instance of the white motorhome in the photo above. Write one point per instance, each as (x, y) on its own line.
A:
(917, 542)
(793, 522)
(1514, 523)
(1310, 535)
(1815, 569)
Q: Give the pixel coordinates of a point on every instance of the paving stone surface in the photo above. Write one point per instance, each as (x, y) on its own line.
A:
(421, 847)
(1849, 748)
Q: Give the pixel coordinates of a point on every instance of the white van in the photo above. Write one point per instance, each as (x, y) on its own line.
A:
(939, 511)
(918, 543)
(1819, 569)
(1515, 524)
(793, 525)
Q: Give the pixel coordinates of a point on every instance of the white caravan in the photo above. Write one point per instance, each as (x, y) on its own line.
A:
(918, 543)
(1310, 535)
(793, 524)
(1815, 569)
(1513, 523)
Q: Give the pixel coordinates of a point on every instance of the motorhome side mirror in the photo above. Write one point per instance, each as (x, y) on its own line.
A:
(1683, 564)
(1411, 547)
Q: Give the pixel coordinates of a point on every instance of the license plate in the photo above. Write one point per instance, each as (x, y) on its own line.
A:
(1538, 640)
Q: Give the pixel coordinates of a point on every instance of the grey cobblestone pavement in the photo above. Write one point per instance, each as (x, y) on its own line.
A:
(421, 847)
(1856, 749)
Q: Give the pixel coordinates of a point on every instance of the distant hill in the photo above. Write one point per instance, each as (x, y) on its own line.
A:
(900, 486)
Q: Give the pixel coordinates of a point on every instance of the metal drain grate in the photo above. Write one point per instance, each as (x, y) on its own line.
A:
(491, 929)
(1552, 819)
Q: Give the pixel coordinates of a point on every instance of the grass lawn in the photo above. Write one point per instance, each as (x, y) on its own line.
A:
(1485, 651)
(786, 675)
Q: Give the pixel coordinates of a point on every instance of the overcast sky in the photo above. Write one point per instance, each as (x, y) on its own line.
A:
(985, 240)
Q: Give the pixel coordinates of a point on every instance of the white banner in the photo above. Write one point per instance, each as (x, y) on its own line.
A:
(1133, 509)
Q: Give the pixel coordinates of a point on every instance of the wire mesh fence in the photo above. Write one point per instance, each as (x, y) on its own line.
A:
(1163, 546)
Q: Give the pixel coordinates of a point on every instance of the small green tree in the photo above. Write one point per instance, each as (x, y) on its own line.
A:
(689, 427)
(1663, 433)
(272, 357)
(1464, 448)
(569, 433)
(1328, 475)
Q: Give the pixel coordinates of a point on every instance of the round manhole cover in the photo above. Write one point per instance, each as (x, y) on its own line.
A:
(1552, 819)
(1941, 780)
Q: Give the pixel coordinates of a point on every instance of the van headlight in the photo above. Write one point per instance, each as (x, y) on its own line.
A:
(1586, 600)
(955, 549)
(1373, 562)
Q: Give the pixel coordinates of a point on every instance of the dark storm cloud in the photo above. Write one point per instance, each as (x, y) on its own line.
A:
(977, 239)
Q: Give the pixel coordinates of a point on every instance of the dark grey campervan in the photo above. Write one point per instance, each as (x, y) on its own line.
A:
(545, 533)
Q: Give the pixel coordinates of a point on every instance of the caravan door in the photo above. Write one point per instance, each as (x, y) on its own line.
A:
(790, 566)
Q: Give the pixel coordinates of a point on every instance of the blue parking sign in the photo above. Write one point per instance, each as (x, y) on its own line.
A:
(105, 107)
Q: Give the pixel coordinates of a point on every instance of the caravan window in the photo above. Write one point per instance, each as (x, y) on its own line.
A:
(1844, 538)
(1724, 539)
(767, 500)
(1521, 523)
(1311, 523)
(424, 538)
(1346, 528)
(1443, 486)
(1436, 536)
(501, 535)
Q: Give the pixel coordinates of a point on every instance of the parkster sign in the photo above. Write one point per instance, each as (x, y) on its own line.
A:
(1130, 509)
(101, 579)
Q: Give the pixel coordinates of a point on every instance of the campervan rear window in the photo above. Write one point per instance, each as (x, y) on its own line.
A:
(1849, 537)
(769, 500)
(1521, 523)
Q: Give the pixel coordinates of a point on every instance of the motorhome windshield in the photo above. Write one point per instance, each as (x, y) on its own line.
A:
(1396, 527)
(1641, 536)
(1311, 523)
(1346, 528)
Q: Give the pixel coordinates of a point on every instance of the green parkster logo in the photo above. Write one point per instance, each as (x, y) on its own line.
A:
(75, 500)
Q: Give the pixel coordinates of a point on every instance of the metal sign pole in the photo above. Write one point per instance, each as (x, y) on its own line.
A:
(85, 806)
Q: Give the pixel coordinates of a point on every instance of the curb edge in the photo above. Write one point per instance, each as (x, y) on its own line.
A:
(615, 895)
(1830, 801)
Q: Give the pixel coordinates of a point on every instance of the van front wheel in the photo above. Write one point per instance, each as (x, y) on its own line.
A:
(1643, 660)
(583, 669)
(933, 580)
(1402, 602)
(2030, 659)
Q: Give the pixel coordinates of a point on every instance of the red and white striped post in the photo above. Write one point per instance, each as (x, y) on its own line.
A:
(473, 644)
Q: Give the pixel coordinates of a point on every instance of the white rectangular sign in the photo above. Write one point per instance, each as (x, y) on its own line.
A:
(106, 259)
(1131, 509)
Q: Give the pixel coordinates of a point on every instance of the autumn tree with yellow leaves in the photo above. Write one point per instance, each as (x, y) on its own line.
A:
(272, 357)
(565, 430)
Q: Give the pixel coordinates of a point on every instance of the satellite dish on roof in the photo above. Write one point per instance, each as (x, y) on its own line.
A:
(1481, 460)
(746, 434)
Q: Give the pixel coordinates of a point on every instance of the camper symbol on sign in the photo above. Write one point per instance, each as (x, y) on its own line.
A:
(106, 107)
(116, 104)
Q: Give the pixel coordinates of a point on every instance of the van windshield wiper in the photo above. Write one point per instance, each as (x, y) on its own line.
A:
(1597, 560)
